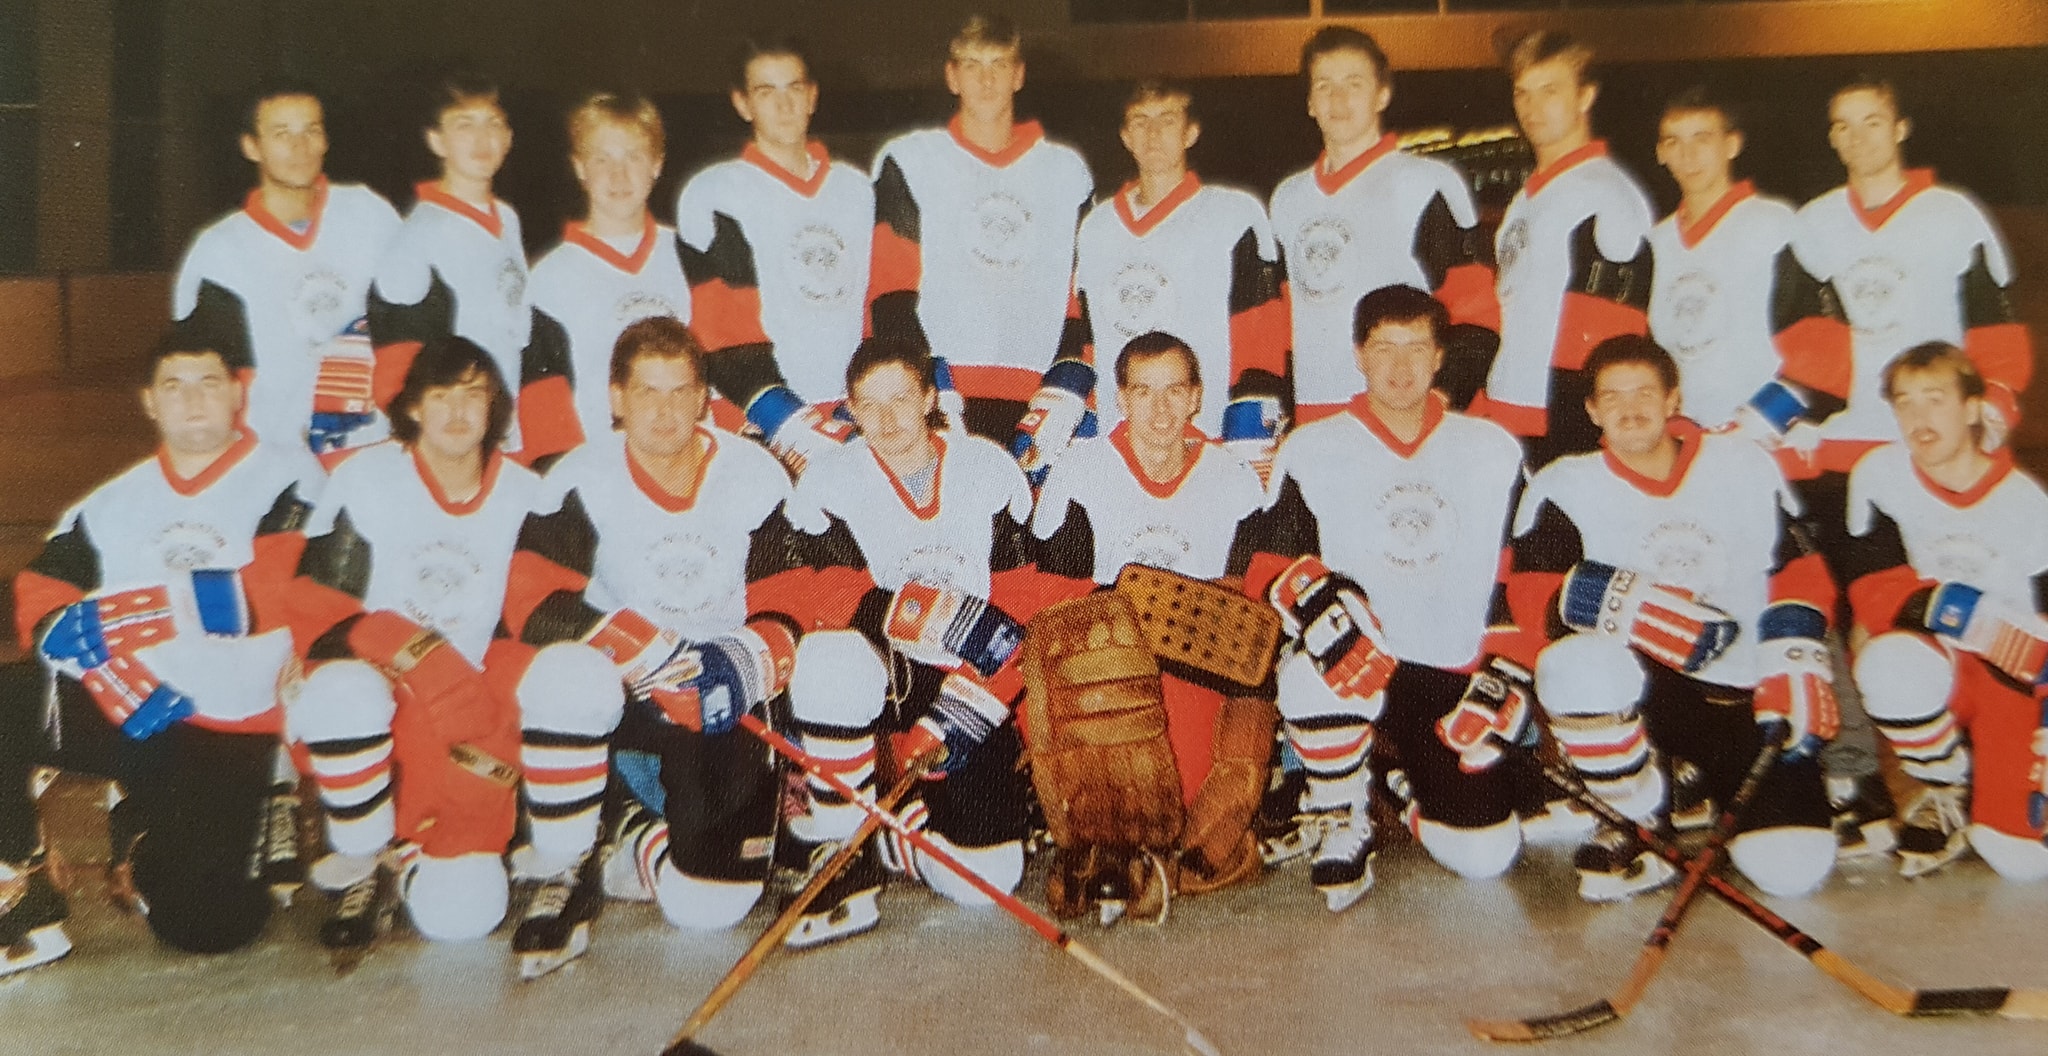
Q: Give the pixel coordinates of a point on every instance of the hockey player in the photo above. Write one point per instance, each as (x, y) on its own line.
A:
(1950, 581)
(277, 285)
(1157, 492)
(1382, 552)
(776, 245)
(648, 580)
(1365, 216)
(1171, 254)
(458, 267)
(1687, 619)
(616, 265)
(1574, 266)
(406, 713)
(164, 683)
(974, 251)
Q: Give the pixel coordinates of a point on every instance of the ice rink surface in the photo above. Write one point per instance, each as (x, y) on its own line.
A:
(1263, 970)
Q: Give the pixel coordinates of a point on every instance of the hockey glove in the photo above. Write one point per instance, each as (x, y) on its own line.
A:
(728, 676)
(951, 403)
(428, 673)
(134, 699)
(2008, 639)
(344, 394)
(1328, 612)
(2037, 800)
(963, 715)
(954, 622)
(648, 657)
(1797, 683)
(1666, 623)
(1770, 414)
(1494, 711)
(86, 634)
(1251, 431)
(1058, 413)
(796, 431)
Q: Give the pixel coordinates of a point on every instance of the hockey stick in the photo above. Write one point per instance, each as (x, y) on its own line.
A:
(1898, 1000)
(1029, 917)
(1658, 945)
(744, 968)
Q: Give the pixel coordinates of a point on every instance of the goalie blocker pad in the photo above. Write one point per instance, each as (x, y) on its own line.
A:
(1206, 633)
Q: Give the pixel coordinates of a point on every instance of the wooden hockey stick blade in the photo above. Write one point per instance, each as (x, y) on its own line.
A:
(1010, 903)
(744, 968)
(2013, 1003)
(1658, 944)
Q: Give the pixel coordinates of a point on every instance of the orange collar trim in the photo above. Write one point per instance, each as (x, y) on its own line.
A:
(493, 221)
(265, 219)
(1541, 179)
(755, 156)
(2001, 465)
(1917, 180)
(1332, 182)
(1023, 136)
(492, 462)
(1687, 433)
(1690, 235)
(578, 233)
(664, 498)
(1120, 438)
(244, 443)
(1143, 225)
(930, 509)
(1432, 416)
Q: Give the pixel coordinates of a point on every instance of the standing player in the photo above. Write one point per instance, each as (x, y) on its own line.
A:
(407, 710)
(616, 265)
(1950, 579)
(163, 683)
(652, 566)
(1382, 552)
(1171, 254)
(1574, 267)
(1673, 545)
(776, 245)
(458, 267)
(276, 285)
(974, 249)
(1365, 216)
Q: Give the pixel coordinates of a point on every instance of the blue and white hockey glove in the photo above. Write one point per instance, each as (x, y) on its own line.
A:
(954, 622)
(962, 716)
(2009, 639)
(1058, 414)
(1797, 681)
(134, 699)
(728, 676)
(1251, 431)
(1665, 623)
(85, 634)
(1495, 711)
(344, 397)
(951, 403)
(796, 431)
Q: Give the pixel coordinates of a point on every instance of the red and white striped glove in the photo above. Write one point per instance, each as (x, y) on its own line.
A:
(1666, 623)
(1797, 682)
(1328, 612)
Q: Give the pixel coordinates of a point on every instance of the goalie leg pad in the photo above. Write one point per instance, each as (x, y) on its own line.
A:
(1786, 860)
(342, 712)
(1907, 683)
(1201, 627)
(2015, 858)
(1096, 720)
(570, 700)
(1475, 854)
(458, 898)
(1217, 845)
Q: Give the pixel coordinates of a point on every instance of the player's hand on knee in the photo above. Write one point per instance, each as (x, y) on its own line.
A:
(1666, 623)
(954, 622)
(796, 431)
(713, 683)
(1796, 683)
(1251, 431)
(2008, 638)
(1496, 711)
(963, 715)
(85, 634)
(134, 699)
(1327, 611)
(1057, 414)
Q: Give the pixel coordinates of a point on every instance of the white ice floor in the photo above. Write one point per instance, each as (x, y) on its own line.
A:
(1262, 970)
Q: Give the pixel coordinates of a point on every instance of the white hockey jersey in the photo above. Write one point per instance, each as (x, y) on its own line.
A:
(595, 288)
(296, 290)
(1184, 525)
(1711, 300)
(150, 527)
(1711, 528)
(1419, 526)
(1346, 234)
(1899, 271)
(441, 564)
(802, 249)
(1990, 537)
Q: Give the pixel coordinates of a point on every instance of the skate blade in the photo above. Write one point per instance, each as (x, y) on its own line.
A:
(1340, 897)
(1108, 912)
(37, 948)
(1874, 839)
(1647, 874)
(855, 916)
(1912, 866)
(1286, 848)
(537, 963)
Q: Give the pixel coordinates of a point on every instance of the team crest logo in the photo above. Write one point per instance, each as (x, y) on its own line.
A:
(642, 304)
(683, 574)
(938, 566)
(1158, 545)
(818, 264)
(1872, 293)
(512, 283)
(320, 304)
(1421, 527)
(1689, 316)
(1961, 557)
(1323, 243)
(1685, 554)
(1144, 299)
(1508, 251)
(445, 579)
(185, 545)
(1000, 221)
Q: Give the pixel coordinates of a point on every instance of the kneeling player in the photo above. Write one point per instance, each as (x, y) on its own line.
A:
(161, 682)
(1154, 492)
(406, 712)
(648, 569)
(1405, 503)
(1673, 545)
(1950, 572)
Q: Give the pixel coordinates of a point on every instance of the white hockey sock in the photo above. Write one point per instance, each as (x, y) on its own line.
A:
(1334, 750)
(1612, 752)
(1930, 748)
(565, 778)
(852, 759)
(354, 776)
